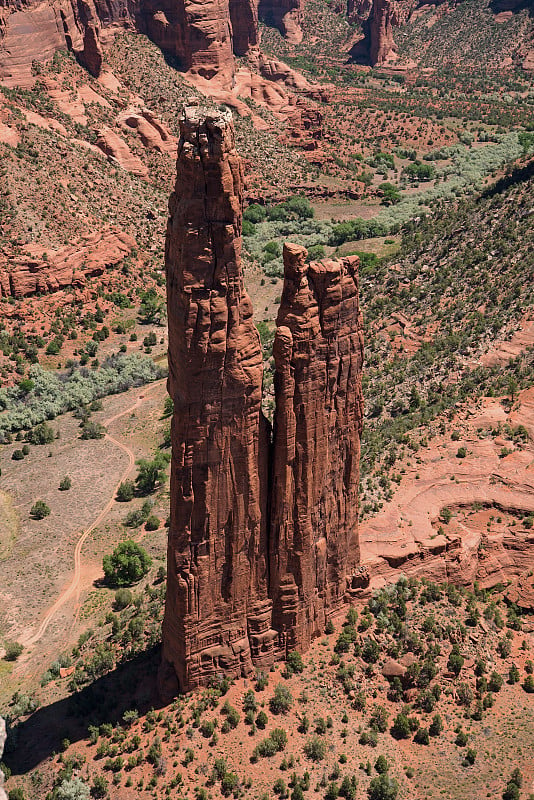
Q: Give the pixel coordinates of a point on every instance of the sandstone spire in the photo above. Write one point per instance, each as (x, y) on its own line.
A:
(263, 540)
(217, 611)
(318, 352)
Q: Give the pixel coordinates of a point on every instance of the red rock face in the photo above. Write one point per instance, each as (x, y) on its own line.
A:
(380, 17)
(377, 18)
(70, 266)
(284, 15)
(233, 549)
(318, 352)
(217, 615)
(203, 35)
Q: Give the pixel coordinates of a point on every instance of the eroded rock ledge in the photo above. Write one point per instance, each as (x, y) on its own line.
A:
(263, 540)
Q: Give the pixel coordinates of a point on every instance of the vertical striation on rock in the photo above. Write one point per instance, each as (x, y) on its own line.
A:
(318, 352)
(263, 539)
(218, 613)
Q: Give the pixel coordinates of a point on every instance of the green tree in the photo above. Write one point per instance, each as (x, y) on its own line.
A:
(390, 194)
(125, 492)
(151, 307)
(383, 788)
(150, 473)
(282, 700)
(401, 727)
(39, 510)
(128, 563)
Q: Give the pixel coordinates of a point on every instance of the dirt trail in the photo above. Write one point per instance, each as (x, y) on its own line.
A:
(73, 587)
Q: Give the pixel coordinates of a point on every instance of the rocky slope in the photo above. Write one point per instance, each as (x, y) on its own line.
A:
(379, 18)
(226, 563)
(201, 36)
(35, 271)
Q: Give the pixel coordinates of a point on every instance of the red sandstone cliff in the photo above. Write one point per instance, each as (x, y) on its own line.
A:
(30, 272)
(378, 19)
(253, 523)
(217, 615)
(318, 352)
(203, 35)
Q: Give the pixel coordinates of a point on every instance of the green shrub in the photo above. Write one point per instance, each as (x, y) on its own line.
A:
(39, 510)
(125, 492)
(315, 748)
(381, 765)
(65, 484)
(92, 430)
(295, 662)
(13, 650)
(123, 598)
(128, 563)
(152, 523)
(282, 700)
(55, 393)
(383, 788)
(16, 794)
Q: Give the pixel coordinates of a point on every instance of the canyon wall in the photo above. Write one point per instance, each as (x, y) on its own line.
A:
(202, 35)
(378, 19)
(252, 521)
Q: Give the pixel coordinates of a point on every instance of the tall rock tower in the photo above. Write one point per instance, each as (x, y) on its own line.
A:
(318, 352)
(263, 540)
(217, 615)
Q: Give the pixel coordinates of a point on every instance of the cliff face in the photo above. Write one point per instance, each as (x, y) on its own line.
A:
(378, 19)
(226, 563)
(34, 31)
(284, 15)
(318, 353)
(217, 614)
(203, 35)
(70, 266)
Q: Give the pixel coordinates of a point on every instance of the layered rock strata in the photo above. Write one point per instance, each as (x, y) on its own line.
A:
(35, 272)
(252, 522)
(202, 35)
(218, 613)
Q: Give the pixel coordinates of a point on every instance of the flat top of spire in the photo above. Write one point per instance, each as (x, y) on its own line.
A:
(195, 113)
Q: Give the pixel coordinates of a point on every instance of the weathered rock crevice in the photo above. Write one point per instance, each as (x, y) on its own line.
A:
(263, 534)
